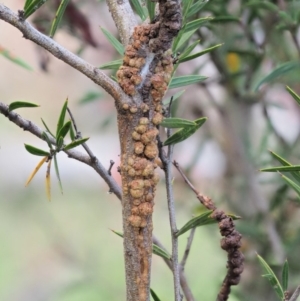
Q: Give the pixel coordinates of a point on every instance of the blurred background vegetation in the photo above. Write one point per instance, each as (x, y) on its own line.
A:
(64, 250)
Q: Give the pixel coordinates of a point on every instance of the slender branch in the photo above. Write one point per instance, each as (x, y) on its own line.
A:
(187, 248)
(123, 17)
(63, 54)
(296, 294)
(183, 281)
(172, 216)
(29, 126)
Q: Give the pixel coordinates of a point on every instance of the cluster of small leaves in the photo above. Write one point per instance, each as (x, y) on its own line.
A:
(63, 128)
(279, 288)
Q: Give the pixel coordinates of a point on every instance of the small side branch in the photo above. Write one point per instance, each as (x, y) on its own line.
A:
(123, 17)
(63, 54)
(296, 294)
(231, 242)
(187, 249)
(29, 126)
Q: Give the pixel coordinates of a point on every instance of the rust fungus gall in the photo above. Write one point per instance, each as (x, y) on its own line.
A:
(139, 148)
(135, 220)
(151, 150)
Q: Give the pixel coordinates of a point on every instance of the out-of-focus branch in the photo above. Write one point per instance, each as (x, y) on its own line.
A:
(29, 126)
(187, 249)
(63, 54)
(296, 294)
(124, 18)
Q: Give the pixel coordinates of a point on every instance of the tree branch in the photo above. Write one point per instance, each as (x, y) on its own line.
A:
(123, 17)
(63, 54)
(27, 125)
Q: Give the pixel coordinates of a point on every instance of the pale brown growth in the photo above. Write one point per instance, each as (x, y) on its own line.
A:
(125, 106)
(136, 135)
(135, 221)
(149, 197)
(139, 148)
(141, 128)
(140, 164)
(145, 209)
(133, 110)
(149, 170)
(157, 118)
(151, 150)
(149, 136)
(144, 120)
(137, 184)
(136, 193)
(144, 108)
(131, 172)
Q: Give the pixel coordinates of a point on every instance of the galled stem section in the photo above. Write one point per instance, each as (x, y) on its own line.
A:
(144, 76)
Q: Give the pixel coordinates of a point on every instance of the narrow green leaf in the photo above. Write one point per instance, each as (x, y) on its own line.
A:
(196, 7)
(72, 133)
(185, 132)
(223, 19)
(36, 151)
(59, 143)
(285, 276)
(264, 5)
(32, 7)
(14, 59)
(112, 65)
(154, 296)
(186, 80)
(155, 249)
(271, 277)
(173, 97)
(175, 123)
(90, 96)
(282, 168)
(75, 143)
(284, 162)
(196, 24)
(139, 9)
(200, 53)
(186, 7)
(61, 119)
(294, 94)
(20, 104)
(189, 49)
(182, 39)
(292, 184)
(27, 3)
(200, 220)
(46, 127)
(279, 71)
(151, 9)
(57, 174)
(64, 130)
(45, 136)
(58, 16)
(115, 43)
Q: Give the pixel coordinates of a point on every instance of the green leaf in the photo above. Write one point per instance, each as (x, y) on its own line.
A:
(90, 97)
(112, 65)
(59, 143)
(196, 24)
(14, 59)
(201, 220)
(32, 7)
(151, 9)
(155, 248)
(189, 49)
(72, 133)
(182, 39)
(59, 14)
(174, 97)
(116, 44)
(282, 168)
(186, 80)
(20, 104)
(292, 184)
(27, 3)
(223, 19)
(284, 162)
(264, 5)
(185, 132)
(271, 277)
(200, 53)
(139, 9)
(186, 7)
(174, 123)
(75, 143)
(64, 131)
(196, 7)
(279, 71)
(294, 94)
(154, 296)
(46, 127)
(36, 151)
(285, 276)
(45, 136)
(61, 119)
(57, 174)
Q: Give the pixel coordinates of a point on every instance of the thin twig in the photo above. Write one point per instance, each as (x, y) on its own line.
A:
(296, 294)
(29, 126)
(111, 162)
(187, 248)
(123, 17)
(172, 216)
(63, 54)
